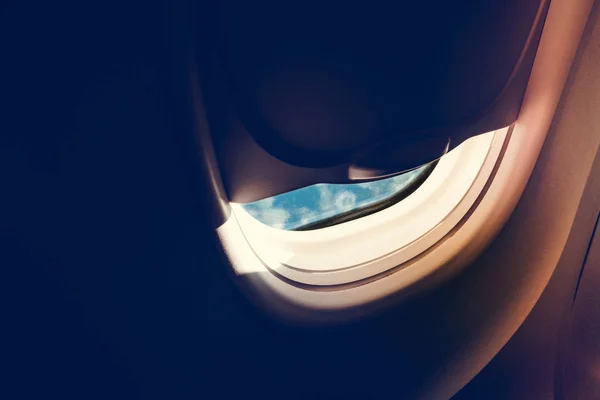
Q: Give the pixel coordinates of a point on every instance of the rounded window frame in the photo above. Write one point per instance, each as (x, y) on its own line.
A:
(287, 300)
(360, 250)
(499, 184)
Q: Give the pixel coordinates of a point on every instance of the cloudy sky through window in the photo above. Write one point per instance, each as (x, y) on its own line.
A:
(314, 203)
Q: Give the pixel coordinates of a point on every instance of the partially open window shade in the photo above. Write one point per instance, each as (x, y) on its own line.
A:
(324, 92)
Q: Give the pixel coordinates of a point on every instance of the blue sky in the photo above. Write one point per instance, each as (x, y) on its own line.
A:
(299, 207)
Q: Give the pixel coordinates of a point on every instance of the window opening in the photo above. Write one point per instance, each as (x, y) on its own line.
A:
(322, 205)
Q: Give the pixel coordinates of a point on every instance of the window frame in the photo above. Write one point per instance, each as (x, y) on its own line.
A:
(301, 304)
(363, 249)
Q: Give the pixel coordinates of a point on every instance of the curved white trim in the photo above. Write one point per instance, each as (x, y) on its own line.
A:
(558, 44)
(371, 245)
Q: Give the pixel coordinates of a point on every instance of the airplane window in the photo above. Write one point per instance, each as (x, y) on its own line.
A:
(322, 205)
(409, 214)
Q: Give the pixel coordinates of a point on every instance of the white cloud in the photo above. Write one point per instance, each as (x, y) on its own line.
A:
(366, 185)
(325, 197)
(305, 214)
(331, 203)
(345, 201)
(376, 188)
(303, 211)
(275, 217)
(400, 182)
(267, 213)
(253, 211)
(265, 204)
